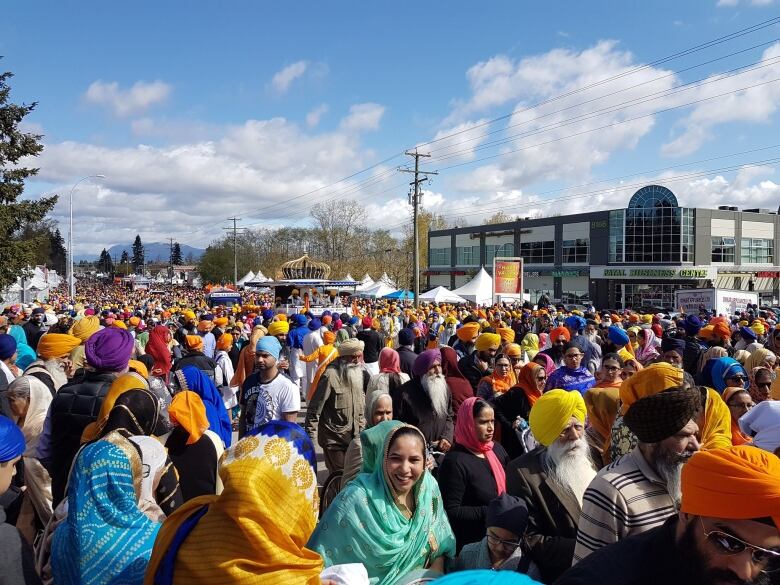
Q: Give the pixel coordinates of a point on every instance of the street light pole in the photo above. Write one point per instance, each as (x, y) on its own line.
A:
(71, 279)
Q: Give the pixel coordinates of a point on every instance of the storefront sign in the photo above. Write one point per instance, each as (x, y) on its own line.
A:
(655, 272)
(508, 277)
(600, 224)
(570, 273)
(767, 274)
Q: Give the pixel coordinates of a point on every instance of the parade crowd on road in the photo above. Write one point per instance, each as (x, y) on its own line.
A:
(463, 445)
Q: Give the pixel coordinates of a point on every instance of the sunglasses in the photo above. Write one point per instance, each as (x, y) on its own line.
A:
(727, 544)
(740, 378)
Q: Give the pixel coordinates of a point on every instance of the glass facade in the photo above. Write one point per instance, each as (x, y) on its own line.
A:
(575, 251)
(616, 235)
(439, 257)
(757, 250)
(649, 295)
(500, 250)
(723, 249)
(655, 230)
(467, 255)
(538, 252)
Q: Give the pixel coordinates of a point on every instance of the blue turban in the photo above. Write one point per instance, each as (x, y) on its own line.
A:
(11, 440)
(268, 314)
(326, 313)
(315, 324)
(617, 335)
(485, 577)
(692, 325)
(269, 344)
(747, 333)
(354, 321)
(299, 320)
(7, 346)
(575, 322)
(257, 321)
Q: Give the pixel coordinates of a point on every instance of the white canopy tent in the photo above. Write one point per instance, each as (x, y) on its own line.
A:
(348, 278)
(260, 277)
(441, 294)
(479, 290)
(378, 291)
(385, 279)
(34, 287)
(249, 276)
(365, 284)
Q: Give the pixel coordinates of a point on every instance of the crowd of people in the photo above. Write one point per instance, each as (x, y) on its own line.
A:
(150, 438)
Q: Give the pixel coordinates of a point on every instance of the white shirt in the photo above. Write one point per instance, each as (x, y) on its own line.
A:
(275, 398)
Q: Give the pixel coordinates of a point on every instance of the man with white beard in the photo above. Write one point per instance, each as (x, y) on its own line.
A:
(641, 490)
(425, 401)
(335, 414)
(552, 479)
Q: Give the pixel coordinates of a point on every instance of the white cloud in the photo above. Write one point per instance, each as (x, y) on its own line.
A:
(124, 102)
(751, 2)
(363, 117)
(253, 170)
(282, 80)
(314, 116)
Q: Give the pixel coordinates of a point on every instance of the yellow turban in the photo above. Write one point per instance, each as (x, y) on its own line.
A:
(740, 483)
(85, 327)
(467, 332)
(57, 345)
(278, 328)
(188, 314)
(758, 327)
(119, 324)
(507, 334)
(552, 412)
(648, 382)
(488, 341)
(138, 368)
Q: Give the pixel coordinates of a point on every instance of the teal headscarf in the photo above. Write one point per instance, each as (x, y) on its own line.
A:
(485, 577)
(363, 524)
(105, 538)
(25, 355)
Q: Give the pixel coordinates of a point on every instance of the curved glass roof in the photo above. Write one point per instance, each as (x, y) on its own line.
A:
(651, 197)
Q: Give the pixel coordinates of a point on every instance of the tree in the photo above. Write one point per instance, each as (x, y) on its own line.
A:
(499, 217)
(17, 253)
(105, 264)
(57, 253)
(138, 254)
(125, 258)
(176, 258)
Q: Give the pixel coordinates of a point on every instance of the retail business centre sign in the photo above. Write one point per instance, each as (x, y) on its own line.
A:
(655, 272)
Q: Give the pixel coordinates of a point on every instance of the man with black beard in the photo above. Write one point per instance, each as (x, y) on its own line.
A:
(552, 479)
(727, 531)
(641, 490)
(425, 401)
(335, 414)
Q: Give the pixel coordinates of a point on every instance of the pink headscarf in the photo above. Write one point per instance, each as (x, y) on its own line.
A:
(466, 435)
(389, 361)
(549, 368)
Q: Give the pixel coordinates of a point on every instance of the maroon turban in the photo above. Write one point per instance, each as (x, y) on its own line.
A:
(109, 349)
(425, 361)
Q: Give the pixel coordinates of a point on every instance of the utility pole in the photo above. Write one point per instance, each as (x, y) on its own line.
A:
(415, 202)
(235, 249)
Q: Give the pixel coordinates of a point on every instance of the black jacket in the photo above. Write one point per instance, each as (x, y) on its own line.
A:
(74, 406)
(373, 345)
(468, 367)
(407, 357)
(508, 406)
(200, 361)
(33, 332)
(412, 406)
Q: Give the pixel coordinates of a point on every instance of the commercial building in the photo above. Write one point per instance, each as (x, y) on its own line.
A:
(621, 258)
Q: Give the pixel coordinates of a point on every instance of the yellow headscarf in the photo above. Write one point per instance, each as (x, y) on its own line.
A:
(125, 382)
(551, 414)
(715, 425)
(530, 345)
(264, 516)
(757, 359)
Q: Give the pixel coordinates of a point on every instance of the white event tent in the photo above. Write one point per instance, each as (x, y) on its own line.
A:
(441, 294)
(479, 290)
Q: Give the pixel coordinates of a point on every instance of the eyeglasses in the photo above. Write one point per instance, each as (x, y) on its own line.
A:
(611, 368)
(506, 543)
(727, 544)
(572, 355)
(740, 378)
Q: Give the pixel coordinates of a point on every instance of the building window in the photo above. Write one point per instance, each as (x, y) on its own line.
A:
(616, 220)
(757, 250)
(439, 257)
(635, 296)
(723, 249)
(575, 251)
(467, 255)
(502, 250)
(538, 252)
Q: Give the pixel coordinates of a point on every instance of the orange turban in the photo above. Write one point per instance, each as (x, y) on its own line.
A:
(488, 341)
(220, 321)
(225, 341)
(328, 337)
(57, 345)
(633, 318)
(194, 342)
(706, 332)
(559, 332)
(507, 334)
(188, 412)
(513, 350)
(468, 332)
(722, 330)
(615, 318)
(648, 382)
(281, 317)
(740, 483)
(85, 327)
(134, 321)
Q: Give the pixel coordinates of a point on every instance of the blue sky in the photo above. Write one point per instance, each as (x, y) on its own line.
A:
(196, 111)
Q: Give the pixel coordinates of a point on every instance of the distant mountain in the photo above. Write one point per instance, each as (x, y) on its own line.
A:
(155, 252)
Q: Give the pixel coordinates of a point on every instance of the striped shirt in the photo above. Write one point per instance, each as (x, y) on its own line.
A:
(627, 497)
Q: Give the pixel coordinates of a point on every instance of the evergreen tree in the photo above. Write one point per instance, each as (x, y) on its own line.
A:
(125, 258)
(105, 264)
(16, 253)
(138, 253)
(176, 258)
(58, 255)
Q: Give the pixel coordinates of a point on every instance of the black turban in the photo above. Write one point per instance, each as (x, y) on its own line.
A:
(673, 344)
(658, 417)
